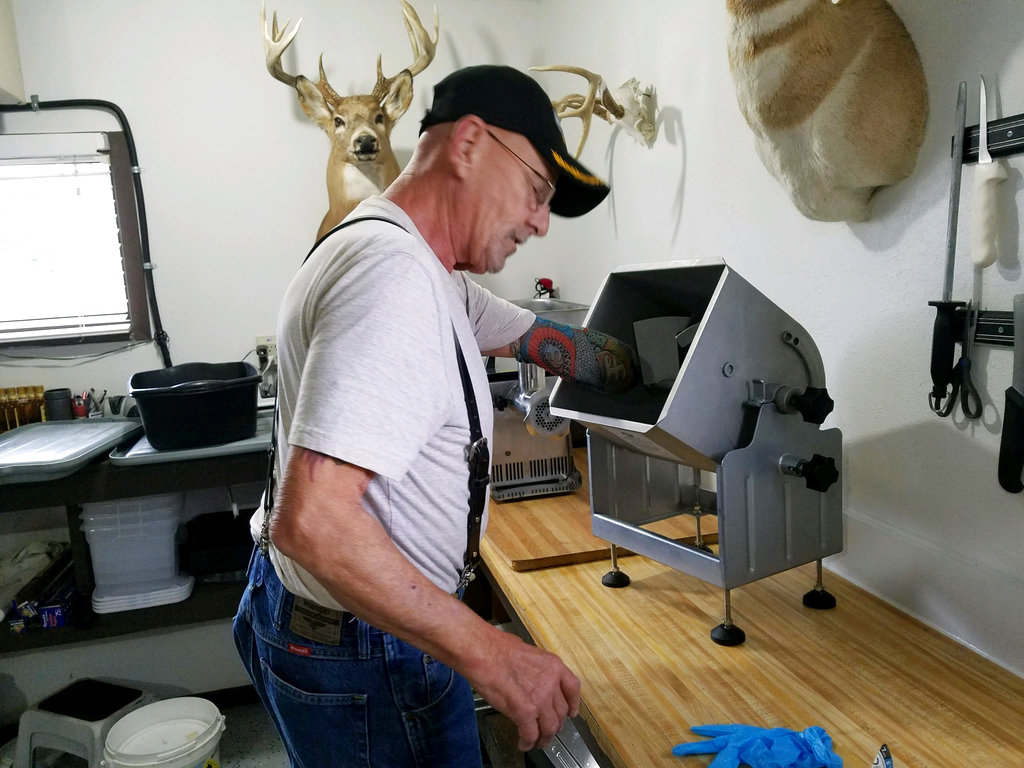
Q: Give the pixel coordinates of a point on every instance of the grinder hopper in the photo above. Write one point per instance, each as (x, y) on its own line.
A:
(732, 430)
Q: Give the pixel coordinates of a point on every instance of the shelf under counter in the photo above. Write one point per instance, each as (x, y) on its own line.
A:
(104, 480)
(209, 601)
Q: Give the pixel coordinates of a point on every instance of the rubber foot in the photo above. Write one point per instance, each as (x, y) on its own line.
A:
(819, 600)
(728, 635)
(615, 579)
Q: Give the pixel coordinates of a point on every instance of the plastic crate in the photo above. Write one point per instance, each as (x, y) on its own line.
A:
(133, 540)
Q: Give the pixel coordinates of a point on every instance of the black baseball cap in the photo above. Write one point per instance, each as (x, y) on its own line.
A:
(507, 98)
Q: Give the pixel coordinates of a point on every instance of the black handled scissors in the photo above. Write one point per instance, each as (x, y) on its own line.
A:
(970, 401)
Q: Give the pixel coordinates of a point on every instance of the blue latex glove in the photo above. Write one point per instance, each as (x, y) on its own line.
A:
(738, 745)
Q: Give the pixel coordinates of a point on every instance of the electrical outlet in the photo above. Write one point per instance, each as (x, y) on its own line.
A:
(266, 346)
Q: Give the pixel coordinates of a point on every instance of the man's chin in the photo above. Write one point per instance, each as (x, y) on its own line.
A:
(494, 268)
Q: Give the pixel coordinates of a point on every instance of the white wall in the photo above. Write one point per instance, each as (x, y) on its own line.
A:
(12, 89)
(233, 182)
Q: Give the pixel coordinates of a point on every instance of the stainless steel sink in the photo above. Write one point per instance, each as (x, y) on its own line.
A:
(556, 310)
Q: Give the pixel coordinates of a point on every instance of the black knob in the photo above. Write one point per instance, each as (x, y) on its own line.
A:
(814, 405)
(819, 472)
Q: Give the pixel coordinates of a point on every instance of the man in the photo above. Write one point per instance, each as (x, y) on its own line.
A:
(351, 626)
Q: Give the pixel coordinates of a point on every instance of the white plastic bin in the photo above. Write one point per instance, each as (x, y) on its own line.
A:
(133, 540)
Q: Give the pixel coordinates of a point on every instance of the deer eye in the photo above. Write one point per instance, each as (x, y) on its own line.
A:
(338, 122)
(380, 118)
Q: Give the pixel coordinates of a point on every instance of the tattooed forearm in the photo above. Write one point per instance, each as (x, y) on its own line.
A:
(590, 358)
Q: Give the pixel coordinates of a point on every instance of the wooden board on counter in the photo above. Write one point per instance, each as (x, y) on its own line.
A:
(864, 671)
(555, 530)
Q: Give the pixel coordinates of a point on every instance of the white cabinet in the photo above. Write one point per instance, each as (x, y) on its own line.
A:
(12, 87)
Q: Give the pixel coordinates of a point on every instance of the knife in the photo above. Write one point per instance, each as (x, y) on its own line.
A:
(988, 175)
(945, 310)
(1011, 444)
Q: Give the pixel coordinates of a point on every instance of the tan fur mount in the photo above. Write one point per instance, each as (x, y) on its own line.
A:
(362, 162)
(835, 94)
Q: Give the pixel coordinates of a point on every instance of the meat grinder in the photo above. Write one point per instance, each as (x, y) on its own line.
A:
(532, 453)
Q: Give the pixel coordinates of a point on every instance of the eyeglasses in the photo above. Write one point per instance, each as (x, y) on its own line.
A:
(542, 194)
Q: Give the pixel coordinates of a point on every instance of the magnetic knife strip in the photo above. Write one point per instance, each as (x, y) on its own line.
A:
(1005, 138)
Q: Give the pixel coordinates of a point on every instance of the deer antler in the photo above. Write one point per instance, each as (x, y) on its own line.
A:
(423, 48)
(634, 107)
(274, 44)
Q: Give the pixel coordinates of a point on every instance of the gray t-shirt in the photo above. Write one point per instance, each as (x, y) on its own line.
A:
(368, 375)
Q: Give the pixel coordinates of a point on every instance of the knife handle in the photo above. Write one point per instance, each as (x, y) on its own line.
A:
(1011, 443)
(942, 349)
(984, 212)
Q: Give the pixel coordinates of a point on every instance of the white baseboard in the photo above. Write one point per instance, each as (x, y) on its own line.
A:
(972, 600)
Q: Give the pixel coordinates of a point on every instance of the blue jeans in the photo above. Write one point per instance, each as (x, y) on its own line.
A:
(367, 700)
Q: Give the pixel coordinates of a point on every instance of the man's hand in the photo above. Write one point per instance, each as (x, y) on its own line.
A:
(533, 688)
(320, 513)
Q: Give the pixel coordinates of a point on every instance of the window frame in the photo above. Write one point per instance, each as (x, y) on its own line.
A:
(133, 265)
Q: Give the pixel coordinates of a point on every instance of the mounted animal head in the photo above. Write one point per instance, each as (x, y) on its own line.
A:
(835, 94)
(361, 162)
(629, 105)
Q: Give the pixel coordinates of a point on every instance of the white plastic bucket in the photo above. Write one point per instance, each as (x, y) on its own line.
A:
(174, 733)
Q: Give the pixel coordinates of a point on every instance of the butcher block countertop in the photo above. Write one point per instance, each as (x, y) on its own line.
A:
(864, 671)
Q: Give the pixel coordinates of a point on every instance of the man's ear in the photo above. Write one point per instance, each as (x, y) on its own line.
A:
(466, 143)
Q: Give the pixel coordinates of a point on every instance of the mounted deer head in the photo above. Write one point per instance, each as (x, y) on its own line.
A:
(629, 105)
(836, 97)
(361, 162)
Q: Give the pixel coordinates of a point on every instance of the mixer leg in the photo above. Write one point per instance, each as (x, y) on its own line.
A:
(819, 598)
(615, 578)
(698, 539)
(727, 633)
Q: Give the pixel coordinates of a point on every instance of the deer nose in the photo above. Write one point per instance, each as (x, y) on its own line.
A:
(366, 144)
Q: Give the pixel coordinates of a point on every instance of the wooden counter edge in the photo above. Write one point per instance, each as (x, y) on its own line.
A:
(497, 570)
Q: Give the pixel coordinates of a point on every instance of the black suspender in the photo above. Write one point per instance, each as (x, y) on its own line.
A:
(478, 457)
(345, 224)
(477, 452)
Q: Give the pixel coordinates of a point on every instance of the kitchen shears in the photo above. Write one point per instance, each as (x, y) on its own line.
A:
(962, 385)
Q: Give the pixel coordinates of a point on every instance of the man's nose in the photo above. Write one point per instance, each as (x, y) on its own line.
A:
(540, 220)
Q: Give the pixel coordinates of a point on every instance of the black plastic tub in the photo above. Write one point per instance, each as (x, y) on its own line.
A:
(194, 405)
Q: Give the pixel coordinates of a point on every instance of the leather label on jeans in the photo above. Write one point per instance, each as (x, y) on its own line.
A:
(314, 622)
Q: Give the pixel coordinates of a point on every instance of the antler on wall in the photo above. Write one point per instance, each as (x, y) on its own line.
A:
(361, 162)
(835, 93)
(629, 105)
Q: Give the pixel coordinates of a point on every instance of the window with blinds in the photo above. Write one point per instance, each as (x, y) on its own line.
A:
(70, 255)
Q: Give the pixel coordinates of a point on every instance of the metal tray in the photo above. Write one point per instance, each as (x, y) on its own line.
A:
(51, 450)
(144, 453)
